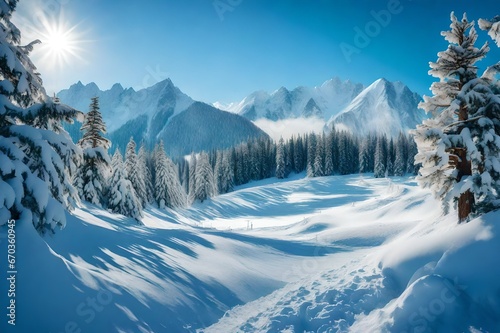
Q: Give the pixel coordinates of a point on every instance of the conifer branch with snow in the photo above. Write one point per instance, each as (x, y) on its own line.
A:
(37, 157)
(459, 147)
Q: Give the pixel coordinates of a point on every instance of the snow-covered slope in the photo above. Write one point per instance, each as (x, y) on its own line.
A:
(323, 101)
(332, 254)
(383, 107)
(419, 271)
(148, 115)
(202, 126)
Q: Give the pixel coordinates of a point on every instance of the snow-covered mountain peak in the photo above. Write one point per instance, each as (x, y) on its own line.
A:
(383, 107)
(117, 87)
(281, 91)
(335, 81)
(321, 101)
(161, 111)
(79, 84)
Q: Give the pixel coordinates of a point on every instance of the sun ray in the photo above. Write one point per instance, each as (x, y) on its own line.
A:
(61, 43)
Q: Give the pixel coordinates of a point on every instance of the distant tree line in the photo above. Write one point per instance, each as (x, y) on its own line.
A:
(127, 185)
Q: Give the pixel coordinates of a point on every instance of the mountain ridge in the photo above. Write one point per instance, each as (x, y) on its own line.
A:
(347, 105)
(383, 107)
(146, 115)
(328, 98)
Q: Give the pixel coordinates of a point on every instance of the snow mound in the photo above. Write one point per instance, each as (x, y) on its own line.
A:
(432, 276)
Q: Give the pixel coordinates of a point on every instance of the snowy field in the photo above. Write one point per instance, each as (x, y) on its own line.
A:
(332, 254)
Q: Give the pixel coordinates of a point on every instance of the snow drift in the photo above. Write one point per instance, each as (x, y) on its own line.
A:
(332, 254)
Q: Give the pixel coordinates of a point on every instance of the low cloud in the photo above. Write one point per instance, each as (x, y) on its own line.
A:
(288, 127)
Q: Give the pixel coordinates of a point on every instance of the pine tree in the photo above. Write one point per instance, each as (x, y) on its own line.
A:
(204, 179)
(320, 156)
(280, 159)
(146, 175)
(121, 197)
(344, 158)
(390, 158)
(364, 157)
(372, 147)
(169, 192)
(329, 142)
(192, 177)
(92, 174)
(493, 28)
(380, 157)
(133, 169)
(227, 167)
(218, 175)
(240, 167)
(411, 166)
(299, 155)
(335, 152)
(290, 158)
(451, 160)
(246, 163)
(227, 173)
(400, 156)
(311, 154)
(38, 156)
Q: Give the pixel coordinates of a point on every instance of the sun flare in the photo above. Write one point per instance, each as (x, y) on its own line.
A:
(60, 43)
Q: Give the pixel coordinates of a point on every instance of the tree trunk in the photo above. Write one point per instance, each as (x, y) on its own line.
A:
(466, 199)
(465, 203)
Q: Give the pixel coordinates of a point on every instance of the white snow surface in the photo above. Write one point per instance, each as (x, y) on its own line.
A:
(331, 254)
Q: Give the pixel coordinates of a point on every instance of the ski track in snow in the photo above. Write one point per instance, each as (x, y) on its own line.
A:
(331, 254)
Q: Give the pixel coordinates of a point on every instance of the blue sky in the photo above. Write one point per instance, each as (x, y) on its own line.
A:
(223, 50)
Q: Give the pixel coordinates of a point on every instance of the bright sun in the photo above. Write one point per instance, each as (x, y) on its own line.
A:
(60, 43)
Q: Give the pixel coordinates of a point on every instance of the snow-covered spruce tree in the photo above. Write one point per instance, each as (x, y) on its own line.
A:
(169, 192)
(184, 175)
(380, 157)
(411, 166)
(493, 28)
(121, 197)
(329, 142)
(227, 184)
(218, 172)
(459, 146)
(319, 158)
(255, 160)
(364, 155)
(204, 178)
(288, 160)
(390, 158)
(298, 155)
(144, 167)
(38, 156)
(311, 154)
(134, 174)
(92, 174)
(344, 160)
(192, 178)
(280, 159)
(400, 155)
